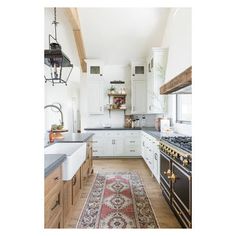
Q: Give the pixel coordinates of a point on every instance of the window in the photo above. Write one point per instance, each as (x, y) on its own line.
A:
(184, 108)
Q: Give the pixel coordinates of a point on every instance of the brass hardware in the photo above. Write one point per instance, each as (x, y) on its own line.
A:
(172, 177)
(74, 180)
(185, 162)
(168, 172)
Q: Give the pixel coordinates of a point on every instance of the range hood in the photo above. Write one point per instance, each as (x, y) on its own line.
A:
(181, 84)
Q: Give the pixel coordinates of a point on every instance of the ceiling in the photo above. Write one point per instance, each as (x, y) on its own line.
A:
(119, 35)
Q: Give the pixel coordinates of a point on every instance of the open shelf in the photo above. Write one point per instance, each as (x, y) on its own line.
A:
(116, 94)
(117, 82)
(121, 109)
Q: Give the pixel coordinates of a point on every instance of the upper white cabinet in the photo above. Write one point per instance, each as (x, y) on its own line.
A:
(138, 70)
(94, 68)
(138, 97)
(156, 67)
(95, 97)
(95, 86)
(138, 88)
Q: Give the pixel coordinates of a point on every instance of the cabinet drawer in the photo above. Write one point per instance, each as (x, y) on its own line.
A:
(98, 151)
(132, 141)
(53, 204)
(132, 151)
(133, 133)
(53, 180)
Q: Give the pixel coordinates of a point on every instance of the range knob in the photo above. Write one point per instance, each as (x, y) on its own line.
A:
(175, 155)
(172, 153)
(185, 162)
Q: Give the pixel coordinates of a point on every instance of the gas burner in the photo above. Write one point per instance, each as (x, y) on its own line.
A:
(182, 142)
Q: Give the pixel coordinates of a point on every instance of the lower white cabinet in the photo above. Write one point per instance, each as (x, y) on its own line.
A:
(151, 153)
(116, 143)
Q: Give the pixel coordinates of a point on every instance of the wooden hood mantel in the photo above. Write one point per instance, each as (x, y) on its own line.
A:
(182, 80)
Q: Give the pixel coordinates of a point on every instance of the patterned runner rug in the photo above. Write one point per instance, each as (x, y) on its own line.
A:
(117, 200)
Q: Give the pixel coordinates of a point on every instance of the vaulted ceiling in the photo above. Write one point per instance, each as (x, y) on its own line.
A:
(118, 35)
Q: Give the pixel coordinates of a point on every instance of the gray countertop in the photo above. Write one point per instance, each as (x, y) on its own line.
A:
(75, 137)
(52, 161)
(118, 128)
(149, 130)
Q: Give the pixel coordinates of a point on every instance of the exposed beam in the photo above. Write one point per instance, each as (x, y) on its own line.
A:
(72, 14)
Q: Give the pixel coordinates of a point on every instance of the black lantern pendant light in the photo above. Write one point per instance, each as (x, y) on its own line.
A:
(56, 60)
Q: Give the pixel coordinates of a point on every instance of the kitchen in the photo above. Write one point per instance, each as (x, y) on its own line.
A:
(123, 114)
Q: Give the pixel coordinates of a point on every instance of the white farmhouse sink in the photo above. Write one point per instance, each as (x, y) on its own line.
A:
(75, 156)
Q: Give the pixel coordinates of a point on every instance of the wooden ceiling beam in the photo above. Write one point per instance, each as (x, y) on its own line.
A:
(73, 17)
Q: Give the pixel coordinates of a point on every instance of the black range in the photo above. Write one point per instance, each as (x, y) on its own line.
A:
(176, 176)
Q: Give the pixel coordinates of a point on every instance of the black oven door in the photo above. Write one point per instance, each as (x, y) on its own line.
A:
(182, 194)
(165, 171)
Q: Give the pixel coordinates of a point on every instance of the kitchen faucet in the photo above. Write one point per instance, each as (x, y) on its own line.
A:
(62, 123)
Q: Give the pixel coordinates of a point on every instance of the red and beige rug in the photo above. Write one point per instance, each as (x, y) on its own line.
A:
(117, 200)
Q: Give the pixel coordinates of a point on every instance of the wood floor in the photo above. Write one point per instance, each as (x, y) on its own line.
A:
(165, 217)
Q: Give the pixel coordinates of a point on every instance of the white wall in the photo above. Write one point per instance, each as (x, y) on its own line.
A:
(59, 93)
(178, 38)
(110, 72)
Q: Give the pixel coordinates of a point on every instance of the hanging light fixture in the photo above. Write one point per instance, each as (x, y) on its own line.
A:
(55, 59)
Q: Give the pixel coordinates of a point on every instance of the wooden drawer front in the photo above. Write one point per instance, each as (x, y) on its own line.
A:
(53, 180)
(53, 204)
(56, 222)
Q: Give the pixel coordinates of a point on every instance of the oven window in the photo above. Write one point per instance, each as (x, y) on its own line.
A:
(184, 108)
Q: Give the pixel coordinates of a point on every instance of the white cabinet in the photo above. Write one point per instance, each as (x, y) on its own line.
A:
(123, 143)
(138, 87)
(95, 97)
(94, 68)
(156, 67)
(151, 153)
(138, 97)
(132, 143)
(138, 70)
(118, 146)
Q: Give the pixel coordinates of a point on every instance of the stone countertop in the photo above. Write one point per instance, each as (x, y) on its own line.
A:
(157, 134)
(118, 128)
(149, 130)
(75, 137)
(52, 161)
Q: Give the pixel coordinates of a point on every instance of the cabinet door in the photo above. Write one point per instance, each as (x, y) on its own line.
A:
(108, 146)
(138, 97)
(95, 97)
(95, 71)
(76, 186)
(138, 71)
(118, 147)
(67, 198)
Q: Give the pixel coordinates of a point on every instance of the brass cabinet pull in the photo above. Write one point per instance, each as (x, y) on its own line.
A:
(172, 177)
(74, 180)
(168, 172)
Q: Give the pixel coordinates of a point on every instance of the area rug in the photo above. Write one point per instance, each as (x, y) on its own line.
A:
(117, 200)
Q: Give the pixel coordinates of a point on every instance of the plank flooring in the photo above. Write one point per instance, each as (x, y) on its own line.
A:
(164, 215)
